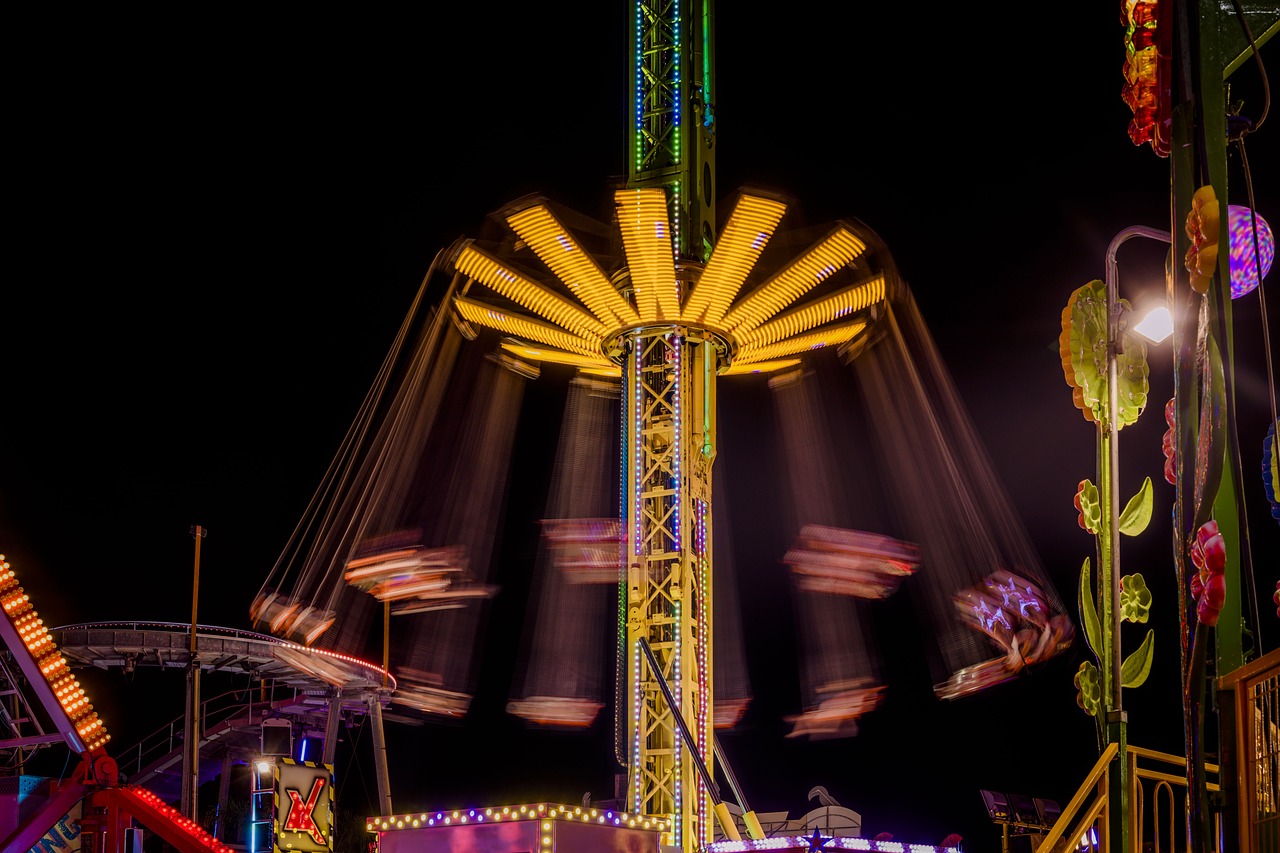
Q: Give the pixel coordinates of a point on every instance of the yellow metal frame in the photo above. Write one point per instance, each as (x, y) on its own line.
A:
(668, 359)
(1090, 808)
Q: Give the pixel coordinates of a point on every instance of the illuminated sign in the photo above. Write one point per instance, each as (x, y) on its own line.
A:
(62, 837)
(304, 807)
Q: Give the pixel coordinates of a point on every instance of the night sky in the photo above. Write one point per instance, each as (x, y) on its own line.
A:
(221, 221)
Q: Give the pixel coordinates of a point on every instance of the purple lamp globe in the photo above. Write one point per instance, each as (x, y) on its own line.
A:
(1244, 264)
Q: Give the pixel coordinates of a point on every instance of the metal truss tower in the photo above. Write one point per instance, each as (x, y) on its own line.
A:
(665, 320)
(669, 437)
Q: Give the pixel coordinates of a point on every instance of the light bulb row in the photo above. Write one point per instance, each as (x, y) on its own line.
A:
(183, 822)
(53, 666)
(541, 811)
(828, 843)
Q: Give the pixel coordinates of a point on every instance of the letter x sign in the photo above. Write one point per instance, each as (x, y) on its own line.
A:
(302, 814)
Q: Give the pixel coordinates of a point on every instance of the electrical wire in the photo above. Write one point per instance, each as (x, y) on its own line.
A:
(1262, 69)
(1246, 545)
(1238, 131)
(1257, 262)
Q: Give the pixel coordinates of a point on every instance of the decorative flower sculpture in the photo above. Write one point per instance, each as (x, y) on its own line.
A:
(1203, 228)
(1082, 346)
(1135, 598)
(1087, 506)
(1088, 689)
(1208, 586)
(1170, 452)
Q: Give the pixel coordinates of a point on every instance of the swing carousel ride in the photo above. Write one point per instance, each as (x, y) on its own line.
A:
(641, 319)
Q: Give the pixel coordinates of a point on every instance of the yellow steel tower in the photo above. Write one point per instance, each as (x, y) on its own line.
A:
(668, 422)
(667, 328)
(664, 320)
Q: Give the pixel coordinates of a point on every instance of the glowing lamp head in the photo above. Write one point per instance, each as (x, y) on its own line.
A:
(1244, 262)
(1156, 326)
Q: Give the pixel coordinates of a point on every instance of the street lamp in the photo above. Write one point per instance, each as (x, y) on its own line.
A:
(1115, 346)
(1116, 718)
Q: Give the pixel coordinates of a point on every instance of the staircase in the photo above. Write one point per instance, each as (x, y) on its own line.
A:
(230, 726)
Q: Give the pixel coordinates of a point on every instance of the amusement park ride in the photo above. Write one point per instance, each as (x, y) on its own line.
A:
(650, 312)
(97, 809)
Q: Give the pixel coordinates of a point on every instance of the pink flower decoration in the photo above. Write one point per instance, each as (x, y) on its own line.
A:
(1170, 474)
(1208, 586)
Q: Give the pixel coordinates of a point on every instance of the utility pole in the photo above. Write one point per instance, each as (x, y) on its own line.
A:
(191, 750)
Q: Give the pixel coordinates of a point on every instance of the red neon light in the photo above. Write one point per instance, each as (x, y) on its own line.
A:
(302, 815)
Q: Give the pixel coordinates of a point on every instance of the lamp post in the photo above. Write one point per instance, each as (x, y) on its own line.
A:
(1116, 718)
(191, 747)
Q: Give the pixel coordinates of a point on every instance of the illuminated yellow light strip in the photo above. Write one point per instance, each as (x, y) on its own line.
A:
(822, 311)
(52, 666)
(800, 343)
(485, 268)
(738, 247)
(646, 237)
(559, 251)
(524, 327)
(611, 372)
(738, 369)
(560, 357)
(535, 811)
(811, 268)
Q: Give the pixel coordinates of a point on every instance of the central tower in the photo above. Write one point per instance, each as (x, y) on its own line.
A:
(672, 139)
(668, 423)
(664, 318)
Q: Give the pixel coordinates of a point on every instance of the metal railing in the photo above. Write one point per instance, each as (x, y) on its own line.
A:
(1158, 792)
(1254, 691)
(1158, 805)
(219, 709)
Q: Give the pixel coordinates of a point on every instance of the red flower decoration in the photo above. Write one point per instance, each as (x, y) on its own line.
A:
(1208, 586)
(1170, 473)
(1275, 596)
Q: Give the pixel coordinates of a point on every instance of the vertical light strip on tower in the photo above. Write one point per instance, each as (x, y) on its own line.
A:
(656, 581)
(677, 504)
(677, 112)
(657, 155)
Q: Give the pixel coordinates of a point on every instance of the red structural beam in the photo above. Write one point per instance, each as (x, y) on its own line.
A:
(109, 811)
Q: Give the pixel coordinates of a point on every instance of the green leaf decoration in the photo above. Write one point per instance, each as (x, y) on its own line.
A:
(1090, 507)
(1082, 347)
(1210, 438)
(1089, 613)
(1131, 377)
(1137, 513)
(1137, 666)
(1088, 688)
(1135, 598)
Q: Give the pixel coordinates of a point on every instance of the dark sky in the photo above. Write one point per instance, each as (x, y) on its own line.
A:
(221, 221)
